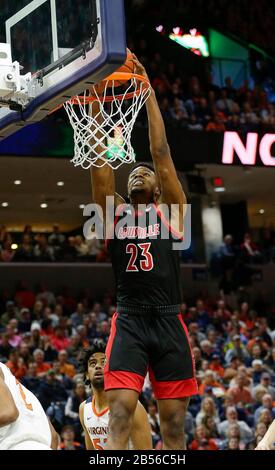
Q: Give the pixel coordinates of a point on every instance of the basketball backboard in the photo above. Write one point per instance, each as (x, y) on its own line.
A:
(64, 46)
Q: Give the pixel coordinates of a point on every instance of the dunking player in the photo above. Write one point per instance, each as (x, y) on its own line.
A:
(147, 331)
(94, 412)
(23, 422)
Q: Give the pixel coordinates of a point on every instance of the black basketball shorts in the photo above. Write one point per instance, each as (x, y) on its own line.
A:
(158, 344)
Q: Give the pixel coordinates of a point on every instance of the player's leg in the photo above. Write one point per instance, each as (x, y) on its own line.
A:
(172, 418)
(124, 375)
(172, 374)
(122, 405)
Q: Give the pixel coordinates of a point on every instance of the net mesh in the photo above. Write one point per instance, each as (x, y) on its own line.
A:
(102, 131)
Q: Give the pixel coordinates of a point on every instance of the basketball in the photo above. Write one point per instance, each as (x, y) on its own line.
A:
(128, 67)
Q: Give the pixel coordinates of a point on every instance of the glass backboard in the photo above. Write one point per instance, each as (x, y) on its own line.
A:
(65, 44)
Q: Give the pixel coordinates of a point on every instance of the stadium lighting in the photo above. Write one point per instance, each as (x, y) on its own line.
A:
(17, 182)
(60, 183)
(4, 204)
(43, 205)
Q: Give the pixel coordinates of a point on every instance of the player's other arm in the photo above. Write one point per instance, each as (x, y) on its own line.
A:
(88, 442)
(103, 179)
(171, 189)
(8, 410)
(268, 441)
(141, 430)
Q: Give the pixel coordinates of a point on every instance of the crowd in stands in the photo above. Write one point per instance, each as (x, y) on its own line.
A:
(186, 101)
(194, 103)
(41, 247)
(249, 20)
(42, 335)
(55, 246)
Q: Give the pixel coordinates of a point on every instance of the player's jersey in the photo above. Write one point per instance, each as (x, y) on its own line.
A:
(147, 269)
(97, 424)
(31, 427)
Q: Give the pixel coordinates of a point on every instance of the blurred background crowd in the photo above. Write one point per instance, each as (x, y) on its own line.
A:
(43, 332)
(42, 336)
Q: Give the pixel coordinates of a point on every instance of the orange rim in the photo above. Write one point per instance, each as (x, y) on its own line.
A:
(117, 76)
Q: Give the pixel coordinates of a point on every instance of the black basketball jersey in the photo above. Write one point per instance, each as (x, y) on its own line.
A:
(147, 269)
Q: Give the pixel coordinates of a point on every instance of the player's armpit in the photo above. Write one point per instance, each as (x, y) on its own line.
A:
(141, 431)
(8, 410)
(88, 442)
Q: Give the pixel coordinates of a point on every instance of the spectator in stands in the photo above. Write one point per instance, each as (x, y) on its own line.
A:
(16, 365)
(266, 384)
(59, 340)
(25, 250)
(68, 439)
(77, 396)
(249, 249)
(30, 379)
(210, 382)
(51, 390)
(42, 251)
(64, 365)
(209, 410)
(5, 347)
(56, 239)
(7, 253)
(236, 349)
(14, 338)
(11, 312)
(202, 440)
(41, 366)
(232, 418)
(239, 393)
(45, 295)
(28, 231)
(216, 124)
(267, 404)
(77, 316)
(233, 432)
(25, 320)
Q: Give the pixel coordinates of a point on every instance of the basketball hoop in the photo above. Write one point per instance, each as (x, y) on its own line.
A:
(105, 138)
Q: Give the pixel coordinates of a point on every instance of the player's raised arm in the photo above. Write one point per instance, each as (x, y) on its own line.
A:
(88, 442)
(8, 410)
(103, 180)
(141, 431)
(171, 189)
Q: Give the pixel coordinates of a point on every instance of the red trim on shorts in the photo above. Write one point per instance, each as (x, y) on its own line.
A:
(123, 380)
(166, 223)
(110, 342)
(187, 336)
(173, 389)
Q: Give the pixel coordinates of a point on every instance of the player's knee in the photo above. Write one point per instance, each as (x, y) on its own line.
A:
(121, 417)
(172, 428)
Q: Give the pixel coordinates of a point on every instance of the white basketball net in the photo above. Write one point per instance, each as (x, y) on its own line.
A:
(105, 137)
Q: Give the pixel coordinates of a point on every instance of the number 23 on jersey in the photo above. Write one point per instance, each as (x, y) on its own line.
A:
(146, 262)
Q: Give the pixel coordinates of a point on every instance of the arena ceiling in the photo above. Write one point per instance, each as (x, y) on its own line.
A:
(39, 177)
